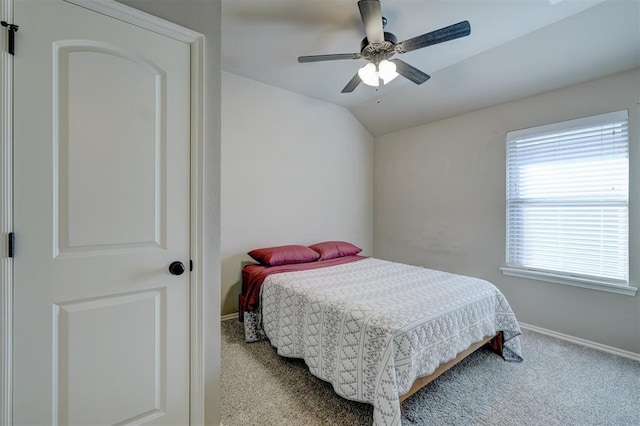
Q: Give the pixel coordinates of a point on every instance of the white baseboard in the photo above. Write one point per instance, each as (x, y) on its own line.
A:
(229, 317)
(583, 342)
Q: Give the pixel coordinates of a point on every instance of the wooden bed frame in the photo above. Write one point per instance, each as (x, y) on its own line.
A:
(495, 343)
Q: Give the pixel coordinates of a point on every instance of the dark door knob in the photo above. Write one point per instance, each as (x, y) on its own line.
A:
(176, 268)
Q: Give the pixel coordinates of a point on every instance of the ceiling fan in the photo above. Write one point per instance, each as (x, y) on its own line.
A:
(378, 46)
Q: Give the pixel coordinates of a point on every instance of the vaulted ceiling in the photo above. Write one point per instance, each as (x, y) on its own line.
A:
(517, 48)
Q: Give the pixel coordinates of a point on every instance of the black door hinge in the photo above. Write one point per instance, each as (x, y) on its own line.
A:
(190, 265)
(13, 29)
(12, 244)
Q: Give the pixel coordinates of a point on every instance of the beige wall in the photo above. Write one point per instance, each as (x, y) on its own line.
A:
(295, 170)
(439, 202)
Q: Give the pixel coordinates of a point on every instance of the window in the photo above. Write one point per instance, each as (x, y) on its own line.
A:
(568, 202)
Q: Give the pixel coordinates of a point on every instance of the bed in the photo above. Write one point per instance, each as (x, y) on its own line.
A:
(377, 330)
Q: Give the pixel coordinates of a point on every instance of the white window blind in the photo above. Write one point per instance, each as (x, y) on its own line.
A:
(567, 199)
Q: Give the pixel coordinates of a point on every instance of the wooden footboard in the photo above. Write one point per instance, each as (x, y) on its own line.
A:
(495, 342)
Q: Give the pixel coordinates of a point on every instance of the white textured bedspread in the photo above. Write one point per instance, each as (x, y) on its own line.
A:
(372, 327)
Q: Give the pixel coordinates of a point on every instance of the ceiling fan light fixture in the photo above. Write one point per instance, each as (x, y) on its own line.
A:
(387, 71)
(378, 45)
(369, 75)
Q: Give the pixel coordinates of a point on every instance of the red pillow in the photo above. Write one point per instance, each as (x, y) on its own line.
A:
(284, 255)
(334, 249)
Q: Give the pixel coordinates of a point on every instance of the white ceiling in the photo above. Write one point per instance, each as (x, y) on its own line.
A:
(517, 48)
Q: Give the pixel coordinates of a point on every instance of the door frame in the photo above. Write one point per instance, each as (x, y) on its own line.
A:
(133, 16)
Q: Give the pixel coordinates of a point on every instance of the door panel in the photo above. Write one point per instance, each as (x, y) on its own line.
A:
(95, 214)
(137, 390)
(101, 160)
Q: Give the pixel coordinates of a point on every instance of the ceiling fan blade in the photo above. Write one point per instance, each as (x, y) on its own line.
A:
(371, 14)
(410, 72)
(461, 29)
(352, 84)
(333, 57)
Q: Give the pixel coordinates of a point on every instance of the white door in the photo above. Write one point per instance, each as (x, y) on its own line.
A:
(101, 155)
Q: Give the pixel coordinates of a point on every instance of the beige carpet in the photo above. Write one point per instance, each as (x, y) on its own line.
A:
(557, 384)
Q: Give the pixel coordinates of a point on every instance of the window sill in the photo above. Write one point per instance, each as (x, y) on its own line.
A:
(576, 282)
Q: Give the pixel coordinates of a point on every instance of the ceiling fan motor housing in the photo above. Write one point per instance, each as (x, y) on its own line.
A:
(369, 51)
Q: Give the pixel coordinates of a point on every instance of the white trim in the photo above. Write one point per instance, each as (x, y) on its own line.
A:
(229, 317)
(141, 19)
(583, 342)
(124, 13)
(6, 219)
(575, 282)
(598, 346)
(197, 294)
(576, 340)
(593, 120)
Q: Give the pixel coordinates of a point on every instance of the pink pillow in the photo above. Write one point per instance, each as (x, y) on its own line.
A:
(334, 249)
(284, 255)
